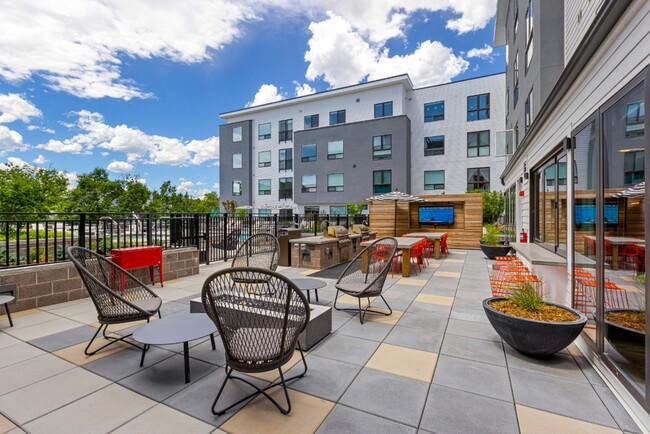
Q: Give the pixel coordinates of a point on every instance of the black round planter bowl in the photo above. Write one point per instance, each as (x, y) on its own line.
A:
(534, 338)
(492, 251)
(630, 343)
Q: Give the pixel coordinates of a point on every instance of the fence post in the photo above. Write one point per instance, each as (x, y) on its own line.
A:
(296, 221)
(250, 224)
(275, 224)
(316, 219)
(148, 223)
(82, 229)
(225, 236)
(347, 221)
(206, 237)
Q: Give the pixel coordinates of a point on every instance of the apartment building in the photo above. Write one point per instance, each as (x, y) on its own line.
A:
(319, 152)
(576, 180)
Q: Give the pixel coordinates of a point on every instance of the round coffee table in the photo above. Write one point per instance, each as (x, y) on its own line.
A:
(182, 327)
(6, 299)
(309, 284)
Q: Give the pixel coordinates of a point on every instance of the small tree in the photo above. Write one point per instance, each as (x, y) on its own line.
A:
(355, 208)
(230, 206)
(493, 206)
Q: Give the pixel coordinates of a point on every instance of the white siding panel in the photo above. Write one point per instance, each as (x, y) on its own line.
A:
(578, 16)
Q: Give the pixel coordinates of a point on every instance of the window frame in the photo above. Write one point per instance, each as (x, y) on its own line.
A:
(430, 151)
(479, 108)
(434, 117)
(241, 188)
(479, 145)
(336, 155)
(311, 121)
(528, 112)
(285, 163)
(638, 119)
(241, 161)
(382, 147)
(335, 188)
(261, 136)
(332, 213)
(313, 189)
(529, 34)
(260, 163)
(383, 183)
(477, 182)
(309, 159)
(264, 192)
(434, 186)
(338, 115)
(382, 106)
(241, 133)
(285, 130)
(283, 191)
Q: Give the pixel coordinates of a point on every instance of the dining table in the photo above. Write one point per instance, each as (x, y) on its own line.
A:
(403, 243)
(616, 243)
(435, 237)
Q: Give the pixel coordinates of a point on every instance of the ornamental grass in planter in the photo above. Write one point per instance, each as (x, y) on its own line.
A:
(532, 326)
(491, 245)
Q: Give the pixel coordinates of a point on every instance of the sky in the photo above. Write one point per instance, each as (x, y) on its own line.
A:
(136, 87)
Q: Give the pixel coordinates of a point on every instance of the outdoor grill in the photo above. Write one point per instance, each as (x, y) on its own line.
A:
(344, 242)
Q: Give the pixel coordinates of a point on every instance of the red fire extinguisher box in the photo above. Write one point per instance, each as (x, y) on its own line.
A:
(523, 236)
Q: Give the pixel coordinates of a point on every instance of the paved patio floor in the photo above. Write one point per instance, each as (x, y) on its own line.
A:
(435, 365)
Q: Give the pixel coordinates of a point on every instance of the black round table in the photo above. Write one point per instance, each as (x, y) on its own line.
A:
(174, 329)
(309, 284)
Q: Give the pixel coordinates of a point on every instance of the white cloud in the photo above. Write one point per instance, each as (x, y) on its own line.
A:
(104, 154)
(77, 46)
(39, 160)
(10, 140)
(475, 14)
(16, 162)
(267, 93)
(14, 107)
(216, 187)
(120, 167)
(482, 53)
(135, 144)
(72, 178)
(39, 128)
(340, 55)
(303, 89)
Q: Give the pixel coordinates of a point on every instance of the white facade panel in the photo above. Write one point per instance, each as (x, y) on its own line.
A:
(578, 16)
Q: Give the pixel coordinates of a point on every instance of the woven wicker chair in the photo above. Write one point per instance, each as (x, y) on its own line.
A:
(364, 277)
(259, 333)
(116, 303)
(260, 250)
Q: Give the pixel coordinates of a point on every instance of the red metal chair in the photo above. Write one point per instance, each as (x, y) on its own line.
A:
(443, 245)
(629, 256)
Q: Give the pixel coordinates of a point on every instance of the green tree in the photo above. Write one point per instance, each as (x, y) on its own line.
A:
(493, 206)
(229, 206)
(31, 189)
(355, 208)
(95, 192)
(135, 196)
(209, 202)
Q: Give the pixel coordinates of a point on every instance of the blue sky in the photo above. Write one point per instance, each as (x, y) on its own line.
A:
(137, 88)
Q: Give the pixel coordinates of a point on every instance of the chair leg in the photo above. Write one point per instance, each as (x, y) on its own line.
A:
(112, 340)
(335, 299)
(11, 323)
(258, 391)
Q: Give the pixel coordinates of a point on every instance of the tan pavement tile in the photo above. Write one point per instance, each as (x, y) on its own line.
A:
(447, 274)
(100, 412)
(407, 362)
(162, 419)
(261, 416)
(273, 375)
(412, 281)
(455, 261)
(75, 354)
(383, 319)
(435, 299)
(347, 299)
(533, 421)
(7, 341)
(5, 425)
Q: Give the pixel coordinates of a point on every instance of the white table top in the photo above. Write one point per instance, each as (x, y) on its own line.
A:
(402, 242)
(429, 235)
(619, 240)
(6, 299)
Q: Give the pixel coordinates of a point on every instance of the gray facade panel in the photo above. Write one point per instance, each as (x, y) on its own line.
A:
(227, 148)
(357, 163)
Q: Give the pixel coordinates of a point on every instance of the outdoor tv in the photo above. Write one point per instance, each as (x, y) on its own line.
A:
(585, 214)
(436, 215)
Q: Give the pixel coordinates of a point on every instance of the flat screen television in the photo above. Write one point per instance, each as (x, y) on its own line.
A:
(436, 215)
(585, 214)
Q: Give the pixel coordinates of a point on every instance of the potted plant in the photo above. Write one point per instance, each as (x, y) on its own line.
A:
(491, 244)
(532, 326)
(625, 331)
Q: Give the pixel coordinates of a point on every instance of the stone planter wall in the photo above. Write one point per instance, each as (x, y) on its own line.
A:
(47, 284)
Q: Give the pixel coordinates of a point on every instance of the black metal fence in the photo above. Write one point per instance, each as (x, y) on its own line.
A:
(31, 239)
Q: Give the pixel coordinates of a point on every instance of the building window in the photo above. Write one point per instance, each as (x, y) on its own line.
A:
(478, 107)
(529, 33)
(309, 183)
(285, 130)
(311, 121)
(434, 111)
(528, 112)
(264, 187)
(516, 135)
(285, 190)
(308, 153)
(264, 159)
(264, 131)
(516, 26)
(478, 179)
(312, 210)
(285, 159)
(381, 181)
(478, 143)
(434, 145)
(634, 167)
(635, 119)
(237, 134)
(434, 180)
(338, 210)
(335, 150)
(236, 188)
(236, 161)
(384, 109)
(515, 74)
(265, 212)
(382, 147)
(335, 182)
(337, 117)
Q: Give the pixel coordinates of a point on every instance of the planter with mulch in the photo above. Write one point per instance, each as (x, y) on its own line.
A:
(625, 331)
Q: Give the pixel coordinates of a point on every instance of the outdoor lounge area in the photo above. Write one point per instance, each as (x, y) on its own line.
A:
(434, 365)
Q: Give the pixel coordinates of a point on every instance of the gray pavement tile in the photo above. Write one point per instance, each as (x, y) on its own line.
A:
(391, 396)
(346, 349)
(347, 420)
(31, 371)
(325, 378)
(171, 307)
(18, 353)
(447, 292)
(339, 319)
(442, 283)
(472, 329)
(126, 362)
(474, 377)
(415, 338)
(478, 350)
(589, 371)
(469, 315)
(64, 339)
(423, 322)
(559, 365)
(621, 416)
(205, 353)
(375, 331)
(561, 396)
(165, 378)
(429, 309)
(454, 411)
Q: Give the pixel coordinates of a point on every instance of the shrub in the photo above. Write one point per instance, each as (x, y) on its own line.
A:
(491, 235)
(526, 298)
(493, 206)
